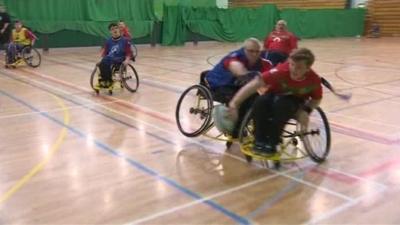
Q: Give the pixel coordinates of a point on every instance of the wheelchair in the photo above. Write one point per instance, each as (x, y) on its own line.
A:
(126, 76)
(193, 117)
(28, 55)
(297, 140)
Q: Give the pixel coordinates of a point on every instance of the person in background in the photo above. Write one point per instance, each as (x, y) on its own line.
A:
(279, 43)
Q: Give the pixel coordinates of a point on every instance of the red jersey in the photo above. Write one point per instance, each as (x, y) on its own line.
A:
(279, 81)
(280, 41)
(126, 34)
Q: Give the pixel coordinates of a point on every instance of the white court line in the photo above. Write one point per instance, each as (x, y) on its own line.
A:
(189, 140)
(210, 197)
(201, 144)
(342, 207)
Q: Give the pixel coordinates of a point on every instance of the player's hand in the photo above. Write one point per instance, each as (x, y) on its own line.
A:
(125, 62)
(233, 112)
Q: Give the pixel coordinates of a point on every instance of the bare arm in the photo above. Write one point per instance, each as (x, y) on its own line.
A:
(237, 68)
(246, 92)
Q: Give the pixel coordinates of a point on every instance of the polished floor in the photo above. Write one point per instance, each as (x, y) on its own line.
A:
(69, 156)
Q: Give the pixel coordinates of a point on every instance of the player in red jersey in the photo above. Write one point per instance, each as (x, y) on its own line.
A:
(293, 91)
(279, 43)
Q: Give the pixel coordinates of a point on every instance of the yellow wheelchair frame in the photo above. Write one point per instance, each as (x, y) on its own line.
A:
(25, 57)
(126, 76)
(297, 141)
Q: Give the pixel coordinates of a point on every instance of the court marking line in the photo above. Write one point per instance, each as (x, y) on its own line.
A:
(55, 147)
(351, 131)
(54, 110)
(213, 196)
(366, 134)
(126, 115)
(137, 165)
(230, 155)
(342, 207)
(166, 131)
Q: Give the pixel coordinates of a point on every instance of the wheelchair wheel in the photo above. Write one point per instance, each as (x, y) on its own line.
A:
(94, 78)
(246, 135)
(134, 51)
(129, 77)
(317, 136)
(193, 111)
(31, 56)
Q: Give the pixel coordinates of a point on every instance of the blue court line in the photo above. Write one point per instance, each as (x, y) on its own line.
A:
(264, 207)
(135, 164)
(87, 107)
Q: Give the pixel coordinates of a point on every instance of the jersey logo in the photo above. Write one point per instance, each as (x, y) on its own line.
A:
(277, 39)
(273, 70)
(113, 50)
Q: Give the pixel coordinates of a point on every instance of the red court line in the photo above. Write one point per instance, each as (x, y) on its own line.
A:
(380, 168)
(340, 128)
(335, 175)
(120, 102)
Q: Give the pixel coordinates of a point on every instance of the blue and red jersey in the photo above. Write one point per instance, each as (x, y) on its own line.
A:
(116, 50)
(221, 76)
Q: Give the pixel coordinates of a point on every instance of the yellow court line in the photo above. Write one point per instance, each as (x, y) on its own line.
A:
(54, 148)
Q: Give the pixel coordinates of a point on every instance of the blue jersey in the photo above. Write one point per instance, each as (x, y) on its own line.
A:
(220, 75)
(116, 50)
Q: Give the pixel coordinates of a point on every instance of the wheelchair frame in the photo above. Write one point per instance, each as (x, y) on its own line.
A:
(119, 75)
(25, 58)
(296, 143)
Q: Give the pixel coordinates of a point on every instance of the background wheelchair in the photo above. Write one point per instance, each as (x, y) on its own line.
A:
(125, 76)
(193, 118)
(28, 55)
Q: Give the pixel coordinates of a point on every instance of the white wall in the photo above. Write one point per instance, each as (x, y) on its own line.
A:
(354, 3)
(222, 4)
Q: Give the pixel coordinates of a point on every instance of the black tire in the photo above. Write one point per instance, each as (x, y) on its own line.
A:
(246, 128)
(246, 131)
(317, 139)
(31, 56)
(194, 105)
(134, 51)
(94, 78)
(129, 78)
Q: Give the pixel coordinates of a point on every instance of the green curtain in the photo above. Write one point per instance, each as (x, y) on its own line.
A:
(220, 24)
(88, 16)
(317, 23)
(158, 5)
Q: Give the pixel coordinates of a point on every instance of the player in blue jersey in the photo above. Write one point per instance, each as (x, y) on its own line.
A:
(225, 79)
(116, 51)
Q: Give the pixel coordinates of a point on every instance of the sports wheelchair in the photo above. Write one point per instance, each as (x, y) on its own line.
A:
(193, 118)
(28, 55)
(126, 76)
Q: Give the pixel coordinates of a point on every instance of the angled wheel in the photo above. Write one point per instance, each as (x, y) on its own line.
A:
(134, 51)
(193, 111)
(31, 56)
(129, 78)
(316, 136)
(94, 78)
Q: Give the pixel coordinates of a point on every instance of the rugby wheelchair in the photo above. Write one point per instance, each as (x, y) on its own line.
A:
(194, 118)
(28, 55)
(122, 77)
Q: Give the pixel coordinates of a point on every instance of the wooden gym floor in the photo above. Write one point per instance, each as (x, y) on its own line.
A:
(71, 157)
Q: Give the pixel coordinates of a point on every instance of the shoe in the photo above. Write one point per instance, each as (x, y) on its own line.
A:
(262, 148)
